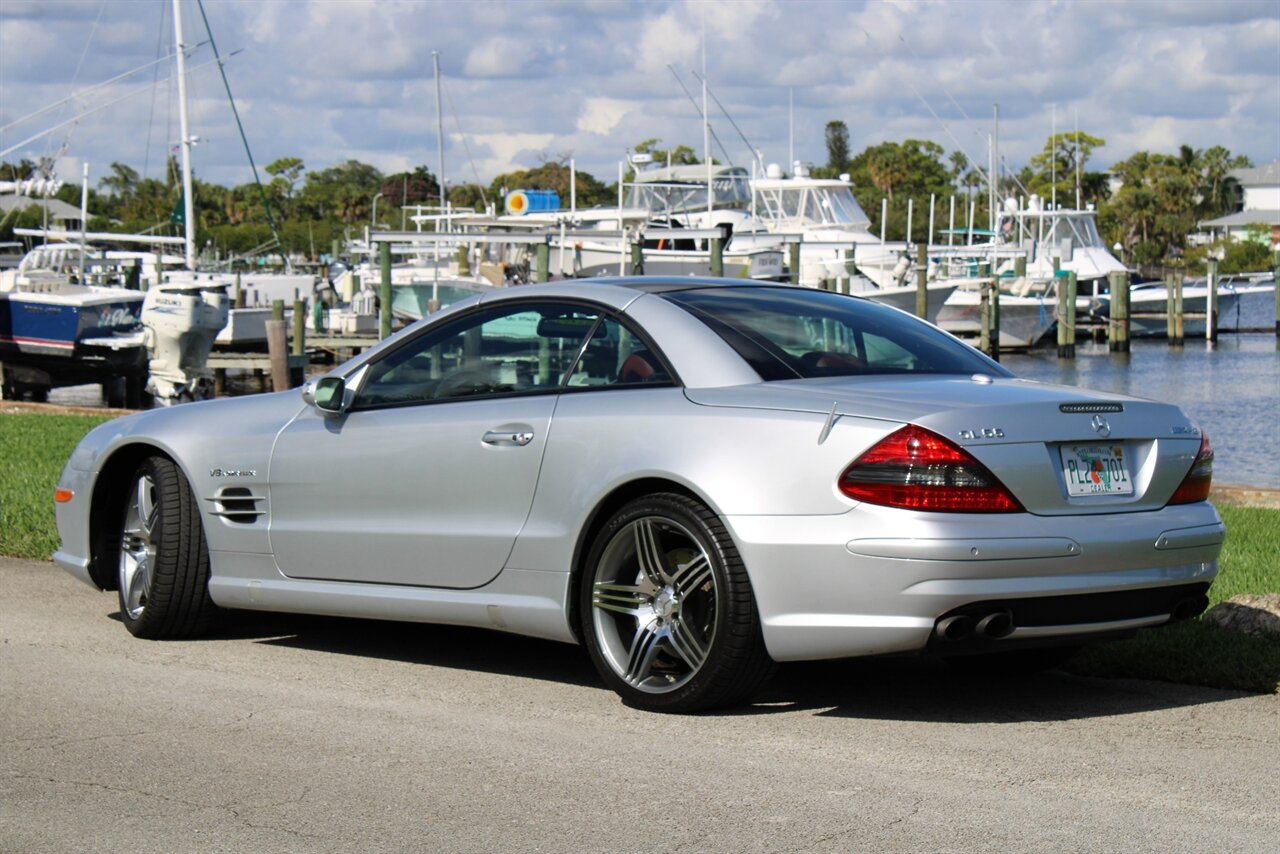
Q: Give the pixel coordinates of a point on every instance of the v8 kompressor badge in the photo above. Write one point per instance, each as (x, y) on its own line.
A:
(233, 472)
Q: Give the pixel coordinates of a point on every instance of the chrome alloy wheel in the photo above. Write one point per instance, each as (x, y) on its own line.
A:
(138, 546)
(654, 604)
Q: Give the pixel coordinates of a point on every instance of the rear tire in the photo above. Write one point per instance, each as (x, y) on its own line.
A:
(162, 556)
(668, 615)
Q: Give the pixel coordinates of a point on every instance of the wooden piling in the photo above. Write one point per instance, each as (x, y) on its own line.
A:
(296, 375)
(1179, 319)
(922, 281)
(984, 317)
(1118, 326)
(795, 264)
(543, 272)
(239, 298)
(717, 256)
(1211, 303)
(1067, 316)
(278, 350)
(1168, 309)
(384, 292)
(637, 258)
(993, 309)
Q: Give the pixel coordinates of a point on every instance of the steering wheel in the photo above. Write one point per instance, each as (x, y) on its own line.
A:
(462, 383)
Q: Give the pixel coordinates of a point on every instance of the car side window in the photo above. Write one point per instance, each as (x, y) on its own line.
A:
(616, 356)
(507, 350)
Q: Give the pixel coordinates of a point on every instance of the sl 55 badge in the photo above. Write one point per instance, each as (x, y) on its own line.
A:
(983, 433)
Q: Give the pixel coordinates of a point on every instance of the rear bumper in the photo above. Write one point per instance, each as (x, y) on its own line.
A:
(877, 580)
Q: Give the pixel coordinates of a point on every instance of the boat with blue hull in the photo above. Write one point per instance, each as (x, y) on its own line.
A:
(55, 332)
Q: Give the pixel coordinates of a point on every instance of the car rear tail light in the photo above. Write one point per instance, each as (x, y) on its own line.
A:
(1195, 486)
(917, 469)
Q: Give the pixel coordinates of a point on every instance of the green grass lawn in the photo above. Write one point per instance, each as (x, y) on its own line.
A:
(34, 447)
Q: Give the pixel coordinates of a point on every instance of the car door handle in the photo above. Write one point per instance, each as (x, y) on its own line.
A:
(508, 437)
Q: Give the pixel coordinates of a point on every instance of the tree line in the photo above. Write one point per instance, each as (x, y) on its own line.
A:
(1159, 201)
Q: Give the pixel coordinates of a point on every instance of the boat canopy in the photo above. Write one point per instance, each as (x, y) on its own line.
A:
(798, 202)
(681, 189)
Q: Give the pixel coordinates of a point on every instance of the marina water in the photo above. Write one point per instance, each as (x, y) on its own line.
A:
(1231, 388)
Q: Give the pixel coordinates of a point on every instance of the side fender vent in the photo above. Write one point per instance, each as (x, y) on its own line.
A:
(238, 504)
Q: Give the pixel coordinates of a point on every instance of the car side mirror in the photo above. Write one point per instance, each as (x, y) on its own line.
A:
(328, 394)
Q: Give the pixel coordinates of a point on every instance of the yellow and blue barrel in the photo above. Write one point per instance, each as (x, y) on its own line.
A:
(521, 202)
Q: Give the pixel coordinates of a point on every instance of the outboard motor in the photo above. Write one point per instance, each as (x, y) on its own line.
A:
(180, 321)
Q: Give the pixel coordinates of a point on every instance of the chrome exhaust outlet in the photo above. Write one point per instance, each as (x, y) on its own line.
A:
(954, 628)
(996, 625)
(1188, 608)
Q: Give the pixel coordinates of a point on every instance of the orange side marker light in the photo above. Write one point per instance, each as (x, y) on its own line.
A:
(62, 496)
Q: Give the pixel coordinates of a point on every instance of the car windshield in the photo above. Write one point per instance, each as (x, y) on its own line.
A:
(788, 333)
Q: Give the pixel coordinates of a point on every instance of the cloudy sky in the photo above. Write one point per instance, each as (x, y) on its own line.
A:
(328, 80)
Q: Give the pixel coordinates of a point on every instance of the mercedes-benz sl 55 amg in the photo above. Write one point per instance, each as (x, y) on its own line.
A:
(694, 479)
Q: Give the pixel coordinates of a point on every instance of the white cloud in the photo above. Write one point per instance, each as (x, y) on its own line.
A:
(328, 80)
(601, 115)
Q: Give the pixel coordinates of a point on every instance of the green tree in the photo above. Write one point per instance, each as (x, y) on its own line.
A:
(1056, 168)
(911, 170)
(837, 147)
(285, 173)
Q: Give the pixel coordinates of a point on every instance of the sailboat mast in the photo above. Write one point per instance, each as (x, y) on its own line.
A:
(188, 201)
(435, 60)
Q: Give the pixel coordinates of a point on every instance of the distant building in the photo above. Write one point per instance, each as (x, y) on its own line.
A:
(1261, 186)
(61, 214)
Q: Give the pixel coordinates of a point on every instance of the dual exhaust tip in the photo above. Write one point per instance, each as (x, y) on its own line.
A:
(998, 624)
(993, 626)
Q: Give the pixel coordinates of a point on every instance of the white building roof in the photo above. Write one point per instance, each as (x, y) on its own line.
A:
(1267, 175)
(1243, 219)
(59, 211)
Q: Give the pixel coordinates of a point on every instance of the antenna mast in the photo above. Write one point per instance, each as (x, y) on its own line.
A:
(188, 202)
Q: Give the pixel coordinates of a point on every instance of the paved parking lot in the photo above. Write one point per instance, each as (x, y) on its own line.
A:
(311, 734)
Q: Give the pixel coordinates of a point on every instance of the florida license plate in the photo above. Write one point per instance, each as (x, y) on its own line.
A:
(1096, 469)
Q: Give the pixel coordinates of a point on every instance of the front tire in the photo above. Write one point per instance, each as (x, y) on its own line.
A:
(668, 614)
(163, 557)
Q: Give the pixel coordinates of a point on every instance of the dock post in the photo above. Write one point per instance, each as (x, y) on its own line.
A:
(984, 319)
(1118, 333)
(1020, 266)
(298, 375)
(1211, 303)
(1067, 316)
(1168, 308)
(278, 350)
(1060, 312)
(239, 298)
(384, 292)
(463, 258)
(1180, 310)
(795, 264)
(637, 259)
(922, 281)
(1179, 320)
(994, 309)
(717, 256)
(544, 263)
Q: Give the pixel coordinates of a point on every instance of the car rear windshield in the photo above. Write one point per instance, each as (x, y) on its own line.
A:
(788, 333)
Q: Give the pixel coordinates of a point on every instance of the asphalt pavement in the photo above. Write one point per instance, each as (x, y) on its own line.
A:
(286, 733)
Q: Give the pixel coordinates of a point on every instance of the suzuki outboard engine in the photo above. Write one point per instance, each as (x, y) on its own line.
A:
(181, 319)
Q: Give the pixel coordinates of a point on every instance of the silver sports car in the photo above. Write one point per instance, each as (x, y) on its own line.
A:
(692, 478)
